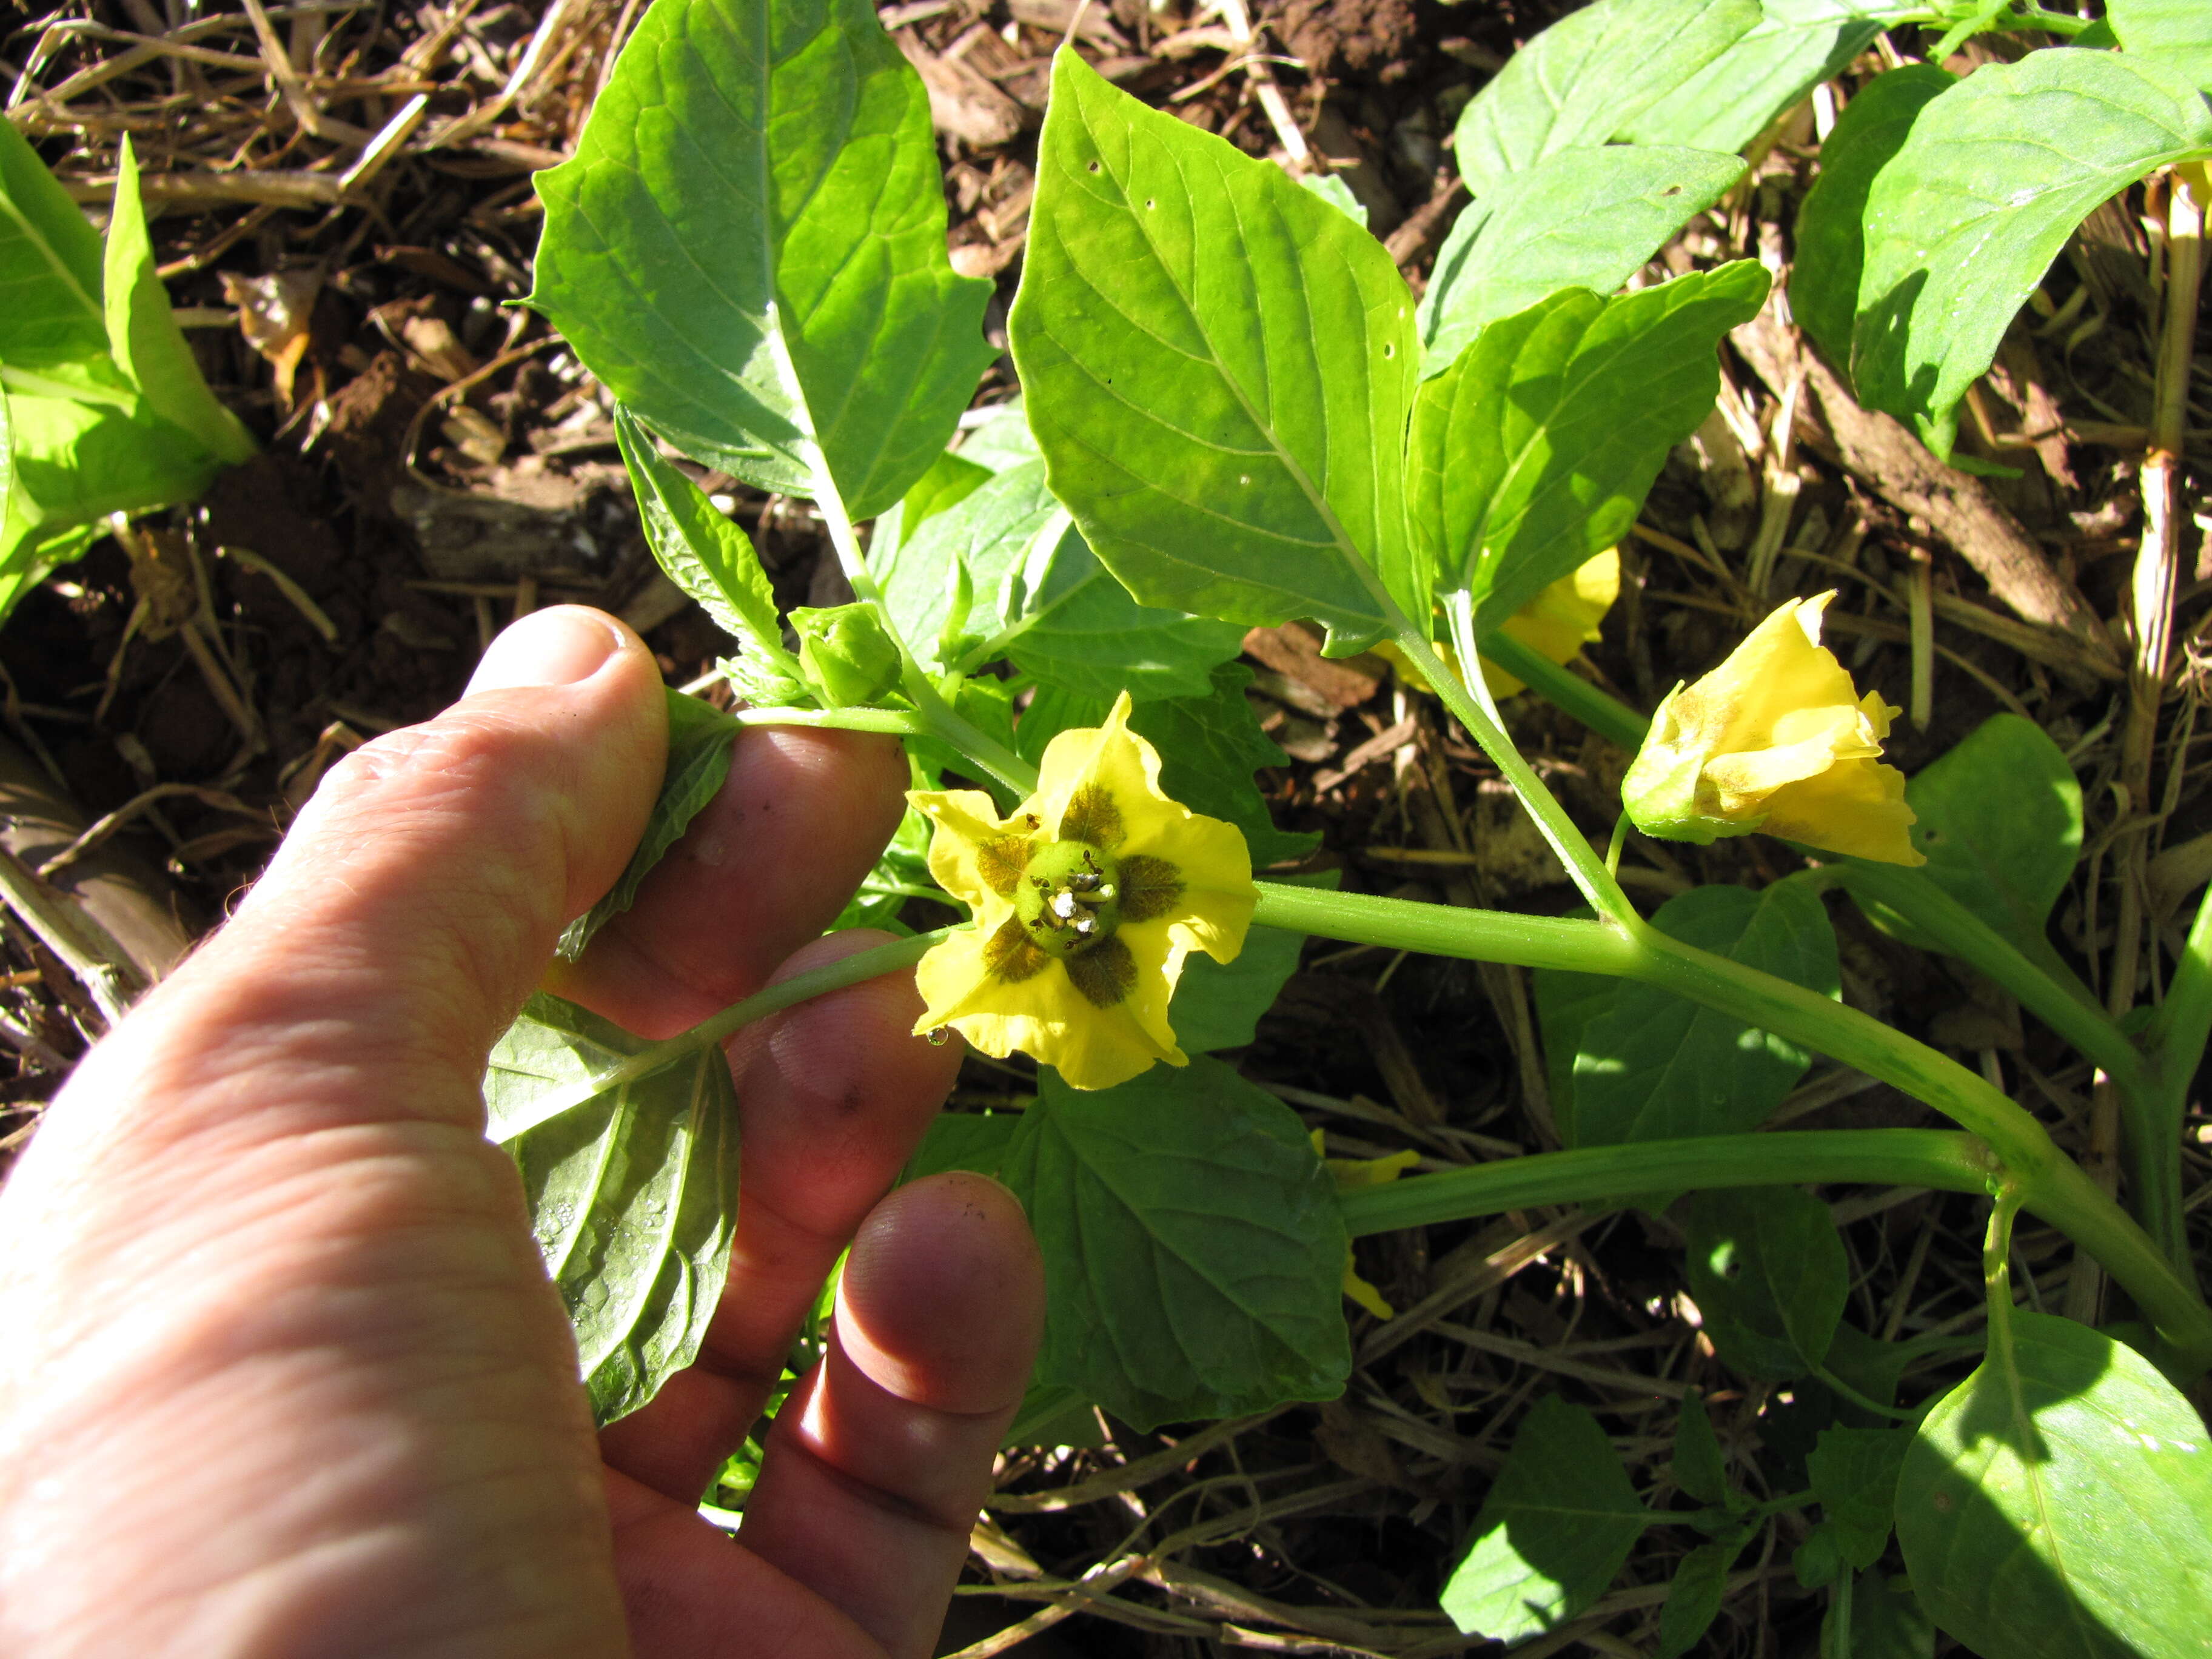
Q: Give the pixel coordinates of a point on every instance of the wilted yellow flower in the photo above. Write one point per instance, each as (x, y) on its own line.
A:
(1351, 1174)
(1777, 739)
(1558, 622)
(1087, 898)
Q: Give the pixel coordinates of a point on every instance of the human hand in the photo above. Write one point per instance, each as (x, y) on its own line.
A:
(282, 1374)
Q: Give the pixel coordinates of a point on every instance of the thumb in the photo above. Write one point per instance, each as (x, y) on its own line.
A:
(417, 897)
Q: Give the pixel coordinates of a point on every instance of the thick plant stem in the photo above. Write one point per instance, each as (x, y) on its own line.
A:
(1446, 930)
(896, 722)
(2051, 1183)
(1583, 866)
(1942, 1158)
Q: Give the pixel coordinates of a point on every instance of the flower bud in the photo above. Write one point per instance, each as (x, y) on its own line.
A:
(846, 653)
(1775, 739)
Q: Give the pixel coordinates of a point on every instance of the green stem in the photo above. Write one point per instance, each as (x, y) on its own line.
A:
(1587, 870)
(1606, 715)
(1941, 1158)
(2050, 1183)
(1443, 930)
(784, 993)
(897, 721)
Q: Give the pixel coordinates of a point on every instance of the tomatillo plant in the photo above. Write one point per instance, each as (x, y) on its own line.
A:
(1234, 413)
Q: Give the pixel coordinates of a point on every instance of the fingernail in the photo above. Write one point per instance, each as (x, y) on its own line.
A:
(558, 646)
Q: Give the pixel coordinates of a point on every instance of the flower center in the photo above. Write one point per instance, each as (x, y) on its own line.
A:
(1070, 897)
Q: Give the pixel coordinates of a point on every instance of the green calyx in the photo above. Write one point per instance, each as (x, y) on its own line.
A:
(1069, 899)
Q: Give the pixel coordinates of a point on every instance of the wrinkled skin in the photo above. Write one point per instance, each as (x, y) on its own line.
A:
(282, 1374)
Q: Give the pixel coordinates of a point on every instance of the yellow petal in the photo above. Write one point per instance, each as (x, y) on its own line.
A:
(1559, 622)
(1856, 807)
(966, 821)
(1365, 1293)
(1112, 776)
(1777, 739)
(1046, 1017)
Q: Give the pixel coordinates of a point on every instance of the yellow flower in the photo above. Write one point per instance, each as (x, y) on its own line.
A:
(1777, 739)
(1087, 898)
(1351, 1174)
(1558, 622)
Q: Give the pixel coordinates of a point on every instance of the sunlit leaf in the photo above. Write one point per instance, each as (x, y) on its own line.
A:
(1585, 80)
(1964, 220)
(1219, 366)
(1579, 218)
(748, 248)
(1824, 279)
(1532, 453)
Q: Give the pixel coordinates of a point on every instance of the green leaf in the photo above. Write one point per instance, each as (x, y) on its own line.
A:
(1999, 825)
(1795, 46)
(143, 336)
(1965, 219)
(1693, 1600)
(1532, 453)
(952, 478)
(1824, 281)
(1334, 191)
(1037, 594)
(1579, 218)
(2176, 32)
(1854, 1475)
(632, 1183)
(700, 737)
(1094, 639)
(1557, 1525)
(711, 560)
(1700, 1470)
(50, 266)
(1004, 533)
(1887, 1622)
(1768, 1275)
(1218, 367)
(963, 1141)
(81, 458)
(1585, 80)
(1193, 1250)
(1209, 748)
(2056, 1504)
(748, 247)
(998, 437)
(1566, 1003)
(1656, 1067)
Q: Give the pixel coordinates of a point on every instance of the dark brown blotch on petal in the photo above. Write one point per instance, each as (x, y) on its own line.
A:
(1009, 955)
(1105, 974)
(1150, 888)
(1091, 816)
(1002, 862)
